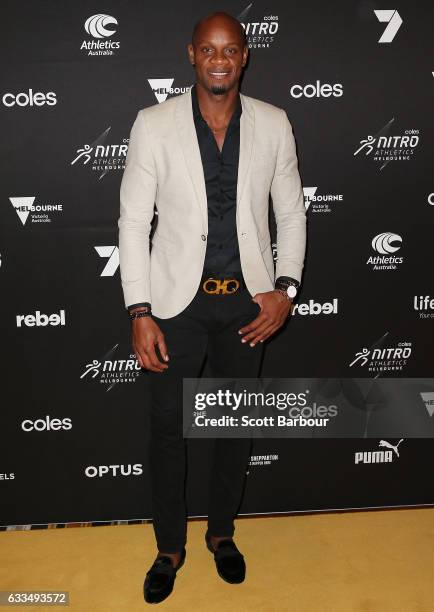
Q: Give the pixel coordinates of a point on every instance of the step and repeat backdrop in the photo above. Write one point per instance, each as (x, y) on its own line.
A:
(356, 81)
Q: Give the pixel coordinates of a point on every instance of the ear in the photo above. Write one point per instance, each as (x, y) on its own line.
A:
(190, 50)
(245, 55)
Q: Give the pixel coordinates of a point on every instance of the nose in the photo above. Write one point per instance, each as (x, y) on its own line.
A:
(219, 57)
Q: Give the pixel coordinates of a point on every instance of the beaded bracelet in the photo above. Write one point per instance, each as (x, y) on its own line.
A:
(139, 313)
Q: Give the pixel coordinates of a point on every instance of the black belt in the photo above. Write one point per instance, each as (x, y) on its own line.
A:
(221, 284)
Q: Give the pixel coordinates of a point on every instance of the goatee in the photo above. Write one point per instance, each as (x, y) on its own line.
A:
(218, 90)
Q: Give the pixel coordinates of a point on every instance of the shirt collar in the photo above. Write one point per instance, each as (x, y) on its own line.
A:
(196, 109)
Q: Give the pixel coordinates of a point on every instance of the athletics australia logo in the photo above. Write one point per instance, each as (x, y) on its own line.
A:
(110, 371)
(97, 26)
(385, 244)
(101, 157)
(386, 148)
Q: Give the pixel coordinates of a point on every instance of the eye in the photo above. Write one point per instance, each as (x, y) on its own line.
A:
(206, 49)
(232, 50)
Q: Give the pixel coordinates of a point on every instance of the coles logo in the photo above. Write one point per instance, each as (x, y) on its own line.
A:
(46, 424)
(317, 91)
(29, 98)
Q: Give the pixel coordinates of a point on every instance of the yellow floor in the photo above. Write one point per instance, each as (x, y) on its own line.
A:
(360, 561)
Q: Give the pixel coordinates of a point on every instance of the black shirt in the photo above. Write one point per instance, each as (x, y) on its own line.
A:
(220, 171)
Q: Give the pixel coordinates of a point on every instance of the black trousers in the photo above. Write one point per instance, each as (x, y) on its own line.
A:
(208, 326)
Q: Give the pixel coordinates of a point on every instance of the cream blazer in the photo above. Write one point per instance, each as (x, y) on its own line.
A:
(163, 166)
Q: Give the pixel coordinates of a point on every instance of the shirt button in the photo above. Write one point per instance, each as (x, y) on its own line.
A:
(203, 237)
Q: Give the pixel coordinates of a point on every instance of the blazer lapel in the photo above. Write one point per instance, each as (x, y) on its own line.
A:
(190, 148)
(247, 127)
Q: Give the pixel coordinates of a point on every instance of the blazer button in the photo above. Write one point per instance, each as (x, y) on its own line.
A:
(203, 237)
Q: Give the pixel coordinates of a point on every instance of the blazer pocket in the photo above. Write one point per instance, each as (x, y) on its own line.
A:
(161, 242)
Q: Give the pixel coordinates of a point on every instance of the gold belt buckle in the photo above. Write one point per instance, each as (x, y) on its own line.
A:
(219, 286)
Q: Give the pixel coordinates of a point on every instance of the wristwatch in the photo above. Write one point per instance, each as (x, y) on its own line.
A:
(287, 285)
(291, 290)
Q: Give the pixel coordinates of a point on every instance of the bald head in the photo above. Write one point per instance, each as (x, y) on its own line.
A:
(218, 52)
(219, 19)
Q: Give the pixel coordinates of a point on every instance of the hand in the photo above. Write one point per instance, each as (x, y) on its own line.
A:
(275, 309)
(145, 335)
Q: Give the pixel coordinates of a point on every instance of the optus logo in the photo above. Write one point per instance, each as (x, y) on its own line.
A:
(29, 98)
(99, 471)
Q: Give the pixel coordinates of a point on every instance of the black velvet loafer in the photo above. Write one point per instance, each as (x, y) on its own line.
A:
(160, 578)
(228, 559)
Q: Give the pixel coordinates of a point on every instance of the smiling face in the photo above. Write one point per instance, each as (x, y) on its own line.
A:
(218, 54)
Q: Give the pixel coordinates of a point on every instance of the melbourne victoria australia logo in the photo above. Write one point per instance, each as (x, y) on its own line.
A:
(319, 202)
(260, 33)
(100, 29)
(383, 147)
(26, 208)
(110, 370)
(428, 399)
(102, 157)
(162, 88)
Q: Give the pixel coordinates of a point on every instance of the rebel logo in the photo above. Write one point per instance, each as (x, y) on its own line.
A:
(41, 320)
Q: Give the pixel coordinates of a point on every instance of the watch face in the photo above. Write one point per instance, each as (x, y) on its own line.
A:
(291, 291)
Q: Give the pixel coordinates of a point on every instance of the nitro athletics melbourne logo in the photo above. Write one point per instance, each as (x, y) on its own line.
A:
(380, 358)
(260, 33)
(101, 157)
(100, 27)
(383, 148)
(111, 371)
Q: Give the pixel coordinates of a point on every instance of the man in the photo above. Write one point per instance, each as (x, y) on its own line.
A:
(209, 159)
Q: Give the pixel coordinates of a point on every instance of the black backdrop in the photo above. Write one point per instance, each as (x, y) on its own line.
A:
(73, 403)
